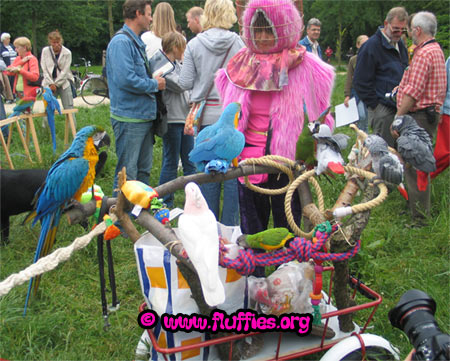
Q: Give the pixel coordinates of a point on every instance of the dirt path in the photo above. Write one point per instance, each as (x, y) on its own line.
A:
(38, 106)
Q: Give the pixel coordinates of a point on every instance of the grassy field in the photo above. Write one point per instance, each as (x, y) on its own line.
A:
(65, 321)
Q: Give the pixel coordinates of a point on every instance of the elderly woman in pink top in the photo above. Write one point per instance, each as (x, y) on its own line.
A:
(25, 68)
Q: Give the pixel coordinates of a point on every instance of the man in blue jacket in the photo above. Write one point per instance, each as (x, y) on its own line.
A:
(132, 93)
(379, 68)
(310, 41)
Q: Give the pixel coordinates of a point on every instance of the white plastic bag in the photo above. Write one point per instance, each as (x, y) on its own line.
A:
(166, 291)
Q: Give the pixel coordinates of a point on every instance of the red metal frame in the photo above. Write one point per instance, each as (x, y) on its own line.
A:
(326, 316)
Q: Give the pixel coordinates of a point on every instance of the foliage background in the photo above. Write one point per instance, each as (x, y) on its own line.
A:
(64, 321)
(85, 26)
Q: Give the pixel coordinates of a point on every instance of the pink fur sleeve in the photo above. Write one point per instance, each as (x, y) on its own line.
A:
(320, 78)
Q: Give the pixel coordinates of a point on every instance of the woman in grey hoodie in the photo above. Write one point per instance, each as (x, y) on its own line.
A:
(203, 56)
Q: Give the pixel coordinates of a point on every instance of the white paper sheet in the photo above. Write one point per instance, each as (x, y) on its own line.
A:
(346, 115)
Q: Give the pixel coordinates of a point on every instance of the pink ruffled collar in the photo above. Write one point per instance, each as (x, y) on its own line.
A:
(263, 72)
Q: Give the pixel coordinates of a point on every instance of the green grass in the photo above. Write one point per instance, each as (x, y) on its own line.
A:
(65, 322)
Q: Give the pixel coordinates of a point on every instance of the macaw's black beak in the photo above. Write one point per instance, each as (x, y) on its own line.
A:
(102, 157)
(101, 139)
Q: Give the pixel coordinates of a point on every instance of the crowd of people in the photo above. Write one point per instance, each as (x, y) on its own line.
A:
(280, 66)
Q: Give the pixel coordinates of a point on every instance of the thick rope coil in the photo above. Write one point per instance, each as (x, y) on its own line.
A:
(51, 261)
(380, 198)
(338, 212)
(270, 161)
(299, 249)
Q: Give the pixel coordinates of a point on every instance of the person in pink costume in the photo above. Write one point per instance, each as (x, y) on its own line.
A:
(274, 80)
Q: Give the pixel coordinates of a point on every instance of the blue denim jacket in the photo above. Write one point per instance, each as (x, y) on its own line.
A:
(305, 42)
(130, 89)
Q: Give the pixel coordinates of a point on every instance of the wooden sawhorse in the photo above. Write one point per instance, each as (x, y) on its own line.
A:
(31, 129)
(5, 145)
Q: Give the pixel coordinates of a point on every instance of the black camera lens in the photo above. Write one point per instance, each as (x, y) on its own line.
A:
(414, 315)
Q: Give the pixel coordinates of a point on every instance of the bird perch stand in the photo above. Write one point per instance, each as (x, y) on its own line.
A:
(340, 241)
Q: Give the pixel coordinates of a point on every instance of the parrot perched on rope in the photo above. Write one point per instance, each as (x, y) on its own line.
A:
(413, 143)
(68, 178)
(218, 144)
(268, 240)
(386, 165)
(329, 148)
(51, 104)
(306, 147)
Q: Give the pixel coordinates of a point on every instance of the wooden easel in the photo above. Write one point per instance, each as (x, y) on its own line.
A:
(30, 129)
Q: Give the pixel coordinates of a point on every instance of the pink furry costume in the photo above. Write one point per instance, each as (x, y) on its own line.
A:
(273, 87)
(309, 79)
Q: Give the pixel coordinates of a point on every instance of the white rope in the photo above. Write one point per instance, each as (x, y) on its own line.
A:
(51, 261)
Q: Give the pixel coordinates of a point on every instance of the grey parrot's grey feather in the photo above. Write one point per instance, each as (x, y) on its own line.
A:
(391, 170)
(414, 143)
(386, 165)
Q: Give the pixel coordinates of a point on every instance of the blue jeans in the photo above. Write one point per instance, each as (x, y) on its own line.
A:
(175, 145)
(230, 210)
(134, 149)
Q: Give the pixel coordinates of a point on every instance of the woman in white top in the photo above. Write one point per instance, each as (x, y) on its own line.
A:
(55, 63)
(163, 23)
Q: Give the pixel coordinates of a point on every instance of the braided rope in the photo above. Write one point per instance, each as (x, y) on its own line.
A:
(299, 249)
(380, 198)
(352, 210)
(51, 261)
(271, 161)
(287, 203)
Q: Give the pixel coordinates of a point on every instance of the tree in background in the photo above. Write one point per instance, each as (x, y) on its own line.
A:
(87, 25)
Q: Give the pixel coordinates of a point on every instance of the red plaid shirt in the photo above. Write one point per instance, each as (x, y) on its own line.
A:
(425, 79)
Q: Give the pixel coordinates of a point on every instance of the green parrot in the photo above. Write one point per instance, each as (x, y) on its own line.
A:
(268, 240)
(305, 151)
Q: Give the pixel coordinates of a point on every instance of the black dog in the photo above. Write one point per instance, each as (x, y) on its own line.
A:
(17, 191)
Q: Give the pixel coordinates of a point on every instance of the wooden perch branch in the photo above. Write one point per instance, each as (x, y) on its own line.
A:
(76, 215)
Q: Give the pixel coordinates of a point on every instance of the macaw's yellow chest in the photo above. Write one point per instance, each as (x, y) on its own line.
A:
(91, 155)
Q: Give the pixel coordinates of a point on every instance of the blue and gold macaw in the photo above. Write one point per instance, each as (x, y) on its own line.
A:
(68, 178)
(218, 144)
(51, 104)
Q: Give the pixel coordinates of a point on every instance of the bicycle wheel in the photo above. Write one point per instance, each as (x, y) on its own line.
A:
(94, 90)
(349, 349)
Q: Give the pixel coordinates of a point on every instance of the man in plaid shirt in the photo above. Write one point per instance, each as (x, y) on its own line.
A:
(421, 93)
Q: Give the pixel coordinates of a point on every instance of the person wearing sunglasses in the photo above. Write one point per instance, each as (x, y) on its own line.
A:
(379, 69)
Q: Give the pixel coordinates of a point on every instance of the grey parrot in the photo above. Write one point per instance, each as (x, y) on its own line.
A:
(413, 143)
(386, 165)
(329, 147)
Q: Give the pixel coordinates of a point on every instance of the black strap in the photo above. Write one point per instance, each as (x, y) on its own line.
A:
(54, 58)
(430, 42)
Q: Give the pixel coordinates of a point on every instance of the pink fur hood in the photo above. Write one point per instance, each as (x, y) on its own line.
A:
(311, 82)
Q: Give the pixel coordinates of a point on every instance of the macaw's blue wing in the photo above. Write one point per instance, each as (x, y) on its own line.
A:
(63, 182)
(226, 145)
(51, 104)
